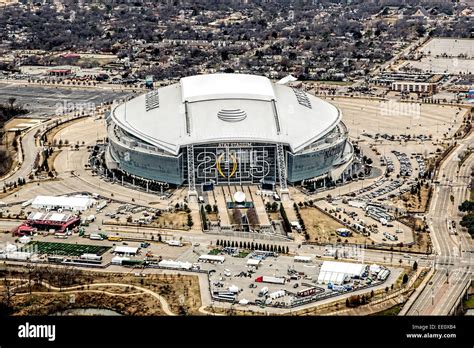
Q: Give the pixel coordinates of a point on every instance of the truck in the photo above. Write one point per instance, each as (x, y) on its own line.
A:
(343, 232)
(390, 236)
(90, 218)
(269, 279)
(277, 294)
(133, 263)
(302, 258)
(91, 257)
(339, 288)
(383, 275)
(174, 243)
(60, 235)
(307, 292)
(95, 236)
(101, 206)
(263, 292)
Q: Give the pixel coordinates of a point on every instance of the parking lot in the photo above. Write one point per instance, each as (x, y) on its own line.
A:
(235, 280)
(43, 100)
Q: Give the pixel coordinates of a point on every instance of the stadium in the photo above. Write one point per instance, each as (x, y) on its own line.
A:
(227, 129)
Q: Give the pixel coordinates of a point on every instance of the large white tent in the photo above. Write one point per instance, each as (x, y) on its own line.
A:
(73, 203)
(338, 272)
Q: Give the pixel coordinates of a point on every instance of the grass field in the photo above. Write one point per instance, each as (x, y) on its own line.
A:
(469, 303)
(65, 249)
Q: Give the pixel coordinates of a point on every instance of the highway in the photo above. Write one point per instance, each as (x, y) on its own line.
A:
(453, 261)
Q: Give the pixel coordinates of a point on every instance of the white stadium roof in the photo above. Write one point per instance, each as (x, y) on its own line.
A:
(226, 86)
(226, 107)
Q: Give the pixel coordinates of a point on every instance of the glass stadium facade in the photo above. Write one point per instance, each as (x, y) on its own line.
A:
(226, 162)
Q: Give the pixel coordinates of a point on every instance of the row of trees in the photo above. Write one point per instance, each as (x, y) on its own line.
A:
(253, 246)
(286, 222)
(468, 219)
(300, 219)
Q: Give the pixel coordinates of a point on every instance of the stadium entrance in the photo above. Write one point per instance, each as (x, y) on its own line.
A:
(235, 163)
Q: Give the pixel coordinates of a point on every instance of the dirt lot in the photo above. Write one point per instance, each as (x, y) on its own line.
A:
(212, 216)
(413, 203)
(180, 291)
(322, 228)
(177, 220)
(274, 216)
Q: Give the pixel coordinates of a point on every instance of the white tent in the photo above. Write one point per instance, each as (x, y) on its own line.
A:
(24, 240)
(117, 260)
(234, 288)
(374, 268)
(75, 203)
(338, 272)
(253, 262)
(10, 248)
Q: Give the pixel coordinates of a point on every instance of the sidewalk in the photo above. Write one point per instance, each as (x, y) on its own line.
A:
(417, 292)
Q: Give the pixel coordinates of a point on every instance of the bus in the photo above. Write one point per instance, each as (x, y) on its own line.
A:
(114, 239)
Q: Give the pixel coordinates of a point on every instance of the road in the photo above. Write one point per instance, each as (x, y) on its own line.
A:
(453, 262)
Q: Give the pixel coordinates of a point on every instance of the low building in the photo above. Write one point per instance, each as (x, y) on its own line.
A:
(40, 221)
(253, 263)
(424, 88)
(126, 250)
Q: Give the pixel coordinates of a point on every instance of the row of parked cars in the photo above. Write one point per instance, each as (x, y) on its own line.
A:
(405, 165)
(384, 190)
(421, 165)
